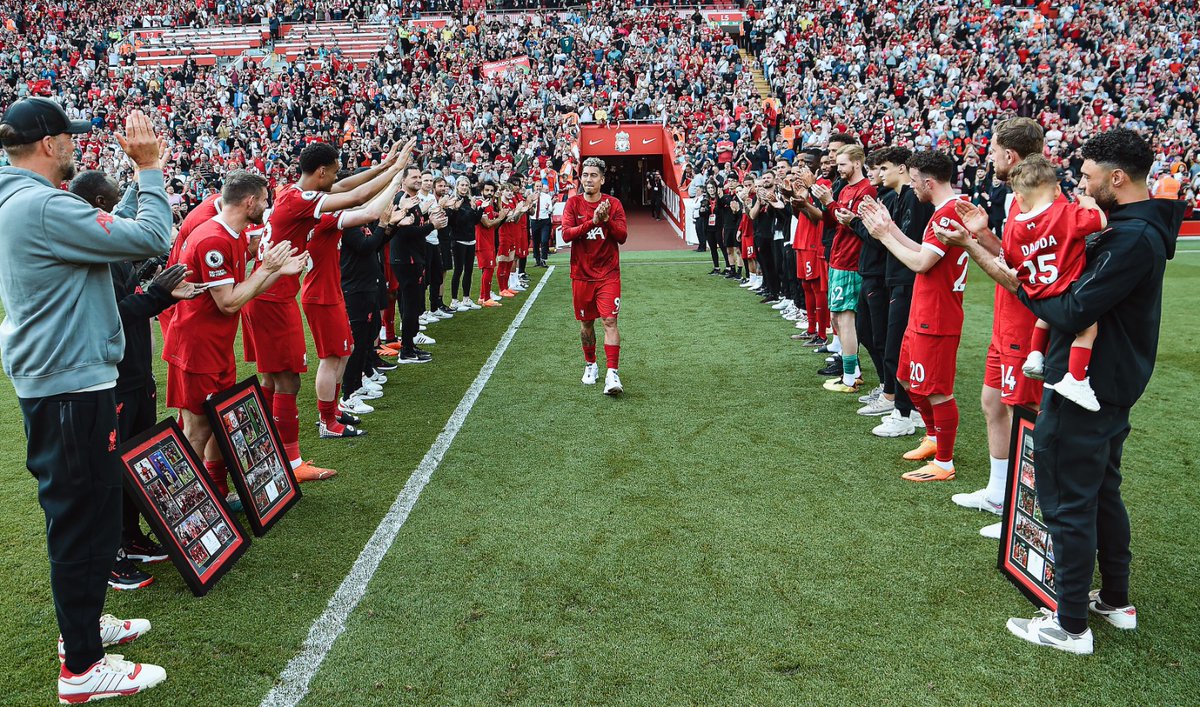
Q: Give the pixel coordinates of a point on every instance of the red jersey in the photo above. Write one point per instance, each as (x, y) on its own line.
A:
(595, 253)
(808, 233)
(937, 295)
(1012, 322)
(486, 237)
(847, 245)
(1047, 246)
(294, 217)
(323, 281)
(214, 253)
(204, 211)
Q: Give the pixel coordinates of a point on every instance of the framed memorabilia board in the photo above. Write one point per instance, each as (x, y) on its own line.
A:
(1026, 550)
(253, 454)
(184, 509)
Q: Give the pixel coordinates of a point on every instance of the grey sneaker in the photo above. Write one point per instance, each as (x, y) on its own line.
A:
(1123, 617)
(1044, 630)
(877, 407)
(873, 395)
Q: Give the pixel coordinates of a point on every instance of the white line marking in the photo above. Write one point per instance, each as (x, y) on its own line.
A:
(293, 682)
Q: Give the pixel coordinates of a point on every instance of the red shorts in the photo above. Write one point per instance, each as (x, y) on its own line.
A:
(508, 242)
(522, 244)
(330, 327)
(810, 265)
(596, 299)
(1003, 372)
(747, 249)
(188, 391)
(273, 336)
(928, 363)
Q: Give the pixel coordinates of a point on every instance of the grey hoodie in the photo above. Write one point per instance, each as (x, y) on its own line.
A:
(61, 331)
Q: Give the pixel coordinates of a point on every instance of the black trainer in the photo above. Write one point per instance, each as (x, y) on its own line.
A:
(385, 366)
(833, 369)
(125, 575)
(413, 356)
(445, 310)
(347, 419)
(144, 549)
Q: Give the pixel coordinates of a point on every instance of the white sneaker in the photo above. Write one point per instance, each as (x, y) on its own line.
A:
(991, 531)
(612, 383)
(590, 371)
(518, 286)
(1035, 366)
(1078, 391)
(461, 307)
(979, 501)
(443, 315)
(424, 339)
(355, 406)
(1123, 617)
(878, 406)
(873, 395)
(1044, 630)
(369, 384)
(115, 632)
(791, 313)
(378, 378)
(918, 420)
(895, 425)
(111, 676)
(802, 323)
(747, 284)
(427, 318)
(496, 296)
(470, 304)
(365, 393)
(781, 305)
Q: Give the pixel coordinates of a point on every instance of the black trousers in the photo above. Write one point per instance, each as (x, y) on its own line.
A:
(434, 274)
(363, 310)
(871, 321)
(72, 452)
(777, 266)
(712, 236)
(137, 411)
(540, 231)
(787, 274)
(764, 251)
(899, 302)
(464, 265)
(1077, 466)
(410, 296)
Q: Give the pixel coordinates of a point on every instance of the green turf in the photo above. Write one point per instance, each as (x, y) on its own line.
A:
(725, 533)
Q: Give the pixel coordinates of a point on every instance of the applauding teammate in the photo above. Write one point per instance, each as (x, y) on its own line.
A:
(594, 225)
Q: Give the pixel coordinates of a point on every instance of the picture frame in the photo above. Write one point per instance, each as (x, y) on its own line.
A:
(165, 478)
(253, 451)
(1026, 555)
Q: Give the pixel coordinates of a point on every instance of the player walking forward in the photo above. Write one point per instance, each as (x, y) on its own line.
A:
(594, 225)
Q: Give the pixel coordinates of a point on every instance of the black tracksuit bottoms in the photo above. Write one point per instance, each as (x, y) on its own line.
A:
(411, 297)
(1077, 467)
(871, 322)
(72, 452)
(899, 302)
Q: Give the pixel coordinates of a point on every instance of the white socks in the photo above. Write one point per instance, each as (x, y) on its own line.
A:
(997, 480)
(836, 346)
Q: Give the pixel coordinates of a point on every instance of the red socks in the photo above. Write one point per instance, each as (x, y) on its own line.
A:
(589, 353)
(329, 415)
(269, 399)
(1078, 363)
(810, 305)
(389, 322)
(945, 424)
(485, 284)
(503, 268)
(287, 419)
(611, 355)
(921, 403)
(218, 475)
(1039, 340)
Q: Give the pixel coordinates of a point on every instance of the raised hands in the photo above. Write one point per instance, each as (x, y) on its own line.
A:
(139, 141)
(973, 216)
(282, 258)
(823, 193)
(875, 217)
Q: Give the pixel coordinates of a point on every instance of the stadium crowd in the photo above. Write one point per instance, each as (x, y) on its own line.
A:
(834, 197)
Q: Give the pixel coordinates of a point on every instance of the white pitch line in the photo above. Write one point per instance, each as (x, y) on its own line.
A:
(293, 682)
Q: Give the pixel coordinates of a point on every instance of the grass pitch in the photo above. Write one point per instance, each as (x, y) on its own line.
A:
(724, 533)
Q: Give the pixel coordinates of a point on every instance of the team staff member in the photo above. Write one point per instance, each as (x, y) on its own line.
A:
(407, 230)
(463, 218)
(595, 224)
(362, 283)
(201, 364)
(137, 394)
(55, 279)
(1077, 455)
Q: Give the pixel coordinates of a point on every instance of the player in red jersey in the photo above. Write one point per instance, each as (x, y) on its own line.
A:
(594, 225)
(491, 215)
(202, 212)
(1004, 384)
(1048, 253)
(810, 266)
(202, 363)
(929, 353)
(324, 307)
(274, 335)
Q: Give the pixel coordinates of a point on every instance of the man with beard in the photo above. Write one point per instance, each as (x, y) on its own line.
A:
(54, 279)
